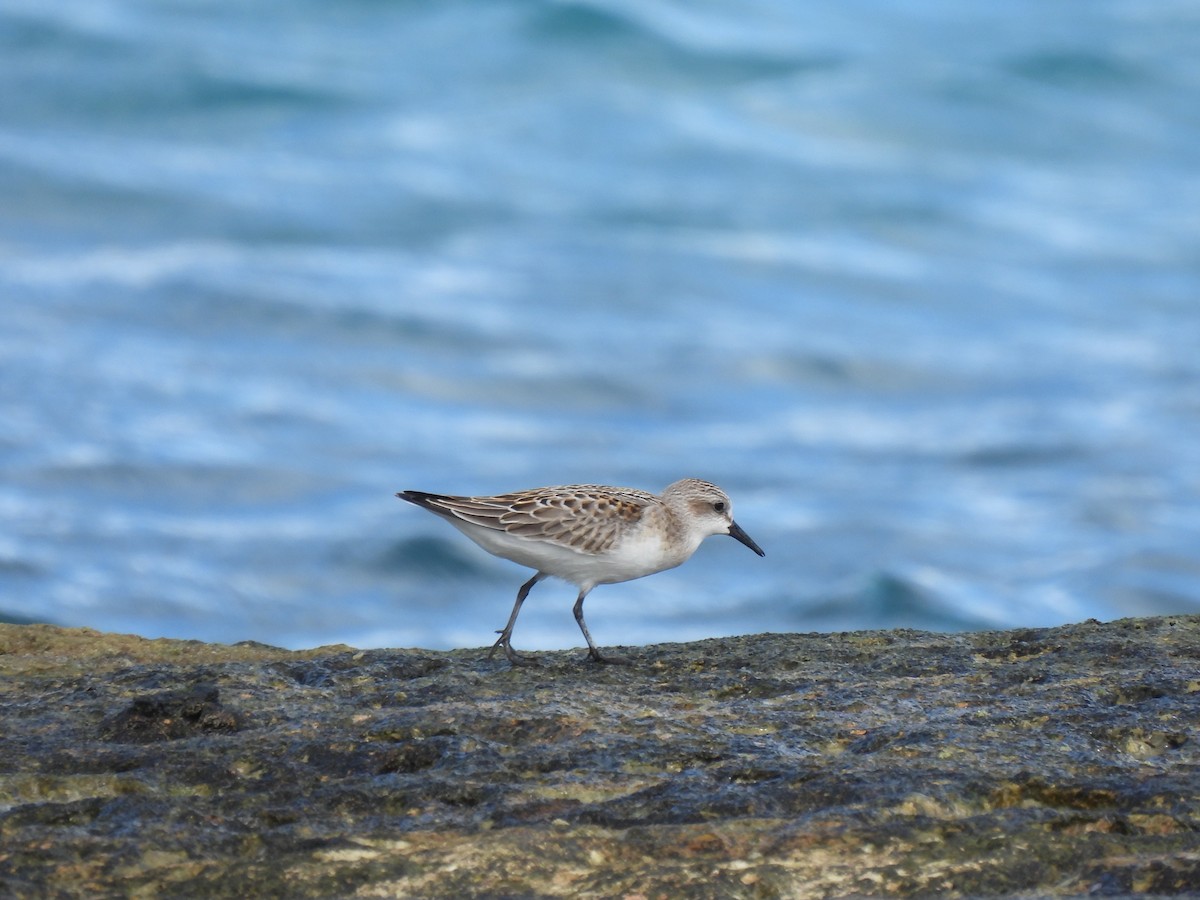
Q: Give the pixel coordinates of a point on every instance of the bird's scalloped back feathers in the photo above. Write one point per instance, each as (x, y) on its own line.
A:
(587, 518)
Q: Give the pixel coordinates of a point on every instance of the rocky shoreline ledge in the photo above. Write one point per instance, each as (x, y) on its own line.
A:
(1039, 762)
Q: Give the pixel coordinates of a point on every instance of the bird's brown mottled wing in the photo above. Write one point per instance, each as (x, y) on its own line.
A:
(587, 518)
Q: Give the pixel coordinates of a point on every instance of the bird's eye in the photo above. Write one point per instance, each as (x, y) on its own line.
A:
(719, 506)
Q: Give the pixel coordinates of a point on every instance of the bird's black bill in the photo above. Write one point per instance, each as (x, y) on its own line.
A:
(735, 532)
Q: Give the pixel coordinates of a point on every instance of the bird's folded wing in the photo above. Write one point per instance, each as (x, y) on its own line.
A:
(587, 521)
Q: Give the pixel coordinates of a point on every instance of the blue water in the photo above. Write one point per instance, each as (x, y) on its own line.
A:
(918, 284)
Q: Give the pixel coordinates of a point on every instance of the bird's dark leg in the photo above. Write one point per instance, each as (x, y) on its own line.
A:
(593, 653)
(506, 635)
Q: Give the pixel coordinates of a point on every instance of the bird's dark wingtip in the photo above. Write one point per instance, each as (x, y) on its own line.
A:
(420, 498)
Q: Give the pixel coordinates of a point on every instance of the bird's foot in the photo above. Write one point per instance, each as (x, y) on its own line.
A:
(596, 656)
(515, 658)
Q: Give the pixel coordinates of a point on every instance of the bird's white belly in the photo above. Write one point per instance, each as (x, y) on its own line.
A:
(639, 554)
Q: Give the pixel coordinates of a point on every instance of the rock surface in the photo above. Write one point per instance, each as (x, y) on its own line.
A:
(1041, 762)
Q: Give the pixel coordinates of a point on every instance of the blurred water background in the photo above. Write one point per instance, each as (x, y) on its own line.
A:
(917, 283)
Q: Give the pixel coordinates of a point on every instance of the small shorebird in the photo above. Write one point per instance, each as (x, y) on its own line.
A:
(588, 534)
